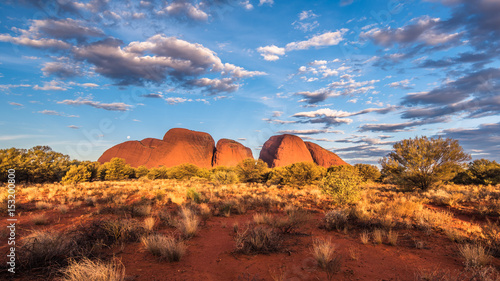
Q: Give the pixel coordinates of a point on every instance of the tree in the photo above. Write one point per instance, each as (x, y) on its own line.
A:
(368, 172)
(251, 170)
(117, 169)
(481, 171)
(423, 162)
(76, 174)
(297, 174)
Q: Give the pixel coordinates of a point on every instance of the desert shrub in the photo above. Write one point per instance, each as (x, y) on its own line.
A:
(224, 176)
(44, 248)
(141, 171)
(141, 210)
(164, 247)
(295, 217)
(158, 173)
(368, 172)
(193, 195)
(250, 170)
(77, 174)
(422, 162)
(116, 169)
(119, 231)
(297, 174)
(481, 171)
(96, 270)
(183, 171)
(335, 219)
(258, 239)
(475, 255)
(203, 173)
(38, 164)
(342, 184)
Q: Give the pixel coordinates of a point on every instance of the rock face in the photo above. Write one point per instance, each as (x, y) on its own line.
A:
(284, 150)
(178, 146)
(230, 153)
(323, 157)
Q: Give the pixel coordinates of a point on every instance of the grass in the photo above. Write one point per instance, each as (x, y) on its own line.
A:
(335, 219)
(94, 270)
(378, 236)
(258, 239)
(188, 223)
(365, 237)
(324, 253)
(44, 248)
(392, 237)
(164, 247)
(475, 255)
(149, 223)
(39, 219)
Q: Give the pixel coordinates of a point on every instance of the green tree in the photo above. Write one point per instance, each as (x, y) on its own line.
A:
(368, 172)
(77, 174)
(183, 171)
(141, 171)
(423, 162)
(481, 171)
(117, 169)
(297, 174)
(251, 170)
(342, 183)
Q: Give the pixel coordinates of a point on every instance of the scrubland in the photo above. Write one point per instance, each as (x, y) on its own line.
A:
(199, 229)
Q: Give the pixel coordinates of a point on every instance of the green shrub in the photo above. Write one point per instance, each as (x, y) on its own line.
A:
(369, 173)
(223, 176)
(116, 169)
(192, 194)
(342, 184)
(250, 170)
(77, 174)
(141, 171)
(297, 174)
(481, 171)
(182, 172)
(158, 173)
(423, 163)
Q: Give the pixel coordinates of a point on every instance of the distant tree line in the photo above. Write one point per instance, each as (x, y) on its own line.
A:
(419, 163)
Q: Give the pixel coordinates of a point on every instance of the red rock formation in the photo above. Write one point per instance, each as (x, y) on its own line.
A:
(284, 150)
(178, 146)
(323, 157)
(230, 153)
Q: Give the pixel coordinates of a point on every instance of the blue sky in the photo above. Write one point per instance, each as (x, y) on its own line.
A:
(352, 76)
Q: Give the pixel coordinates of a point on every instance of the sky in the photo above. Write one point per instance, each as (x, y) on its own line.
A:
(354, 76)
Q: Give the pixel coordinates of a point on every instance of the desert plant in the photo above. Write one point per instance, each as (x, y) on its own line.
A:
(224, 177)
(94, 270)
(77, 174)
(475, 255)
(365, 237)
(250, 170)
(141, 171)
(342, 184)
(324, 253)
(262, 218)
(480, 171)
(116, 169)
(335, 219)
(378, 236)
(422, 162)
(297, 174)
(39, 219)
(193, 195)
(164, 247)
(188, 223)
(392, 237)
(258, 239)
(43, 248)
(183, 171)
(149, 223)
(369, 173)
(141, 210)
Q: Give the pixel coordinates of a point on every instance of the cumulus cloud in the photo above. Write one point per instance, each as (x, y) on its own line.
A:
(115, 106)
(268, 2)
(50, 86)
(184, 9)
(73, 127)
(272, 52)
(43, 43)
(176, 100)
(215, 86)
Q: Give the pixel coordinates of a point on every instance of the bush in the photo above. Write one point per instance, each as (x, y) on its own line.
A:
(342, 184)
(192, 194)
(481, 171)
(77, 174)
(335, 219)
(43, 248)
(250, 170)
(183, 171)
(423, 163)
(141, 171)
(369, 173)
(297, 174)
(116, 169)
(223, 175)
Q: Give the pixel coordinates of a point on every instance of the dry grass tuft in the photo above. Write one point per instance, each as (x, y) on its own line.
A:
(324, 253)
(188, 223)
(392, 237)
(164, 247)
(365, 237)
(39, 219)
(377, 235)
(258, 239)
(97, 270)
(475, 256)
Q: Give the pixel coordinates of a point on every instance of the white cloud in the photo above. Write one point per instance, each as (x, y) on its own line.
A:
(268, 2)
(271, 53)
(115, 106)
(322, 40)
